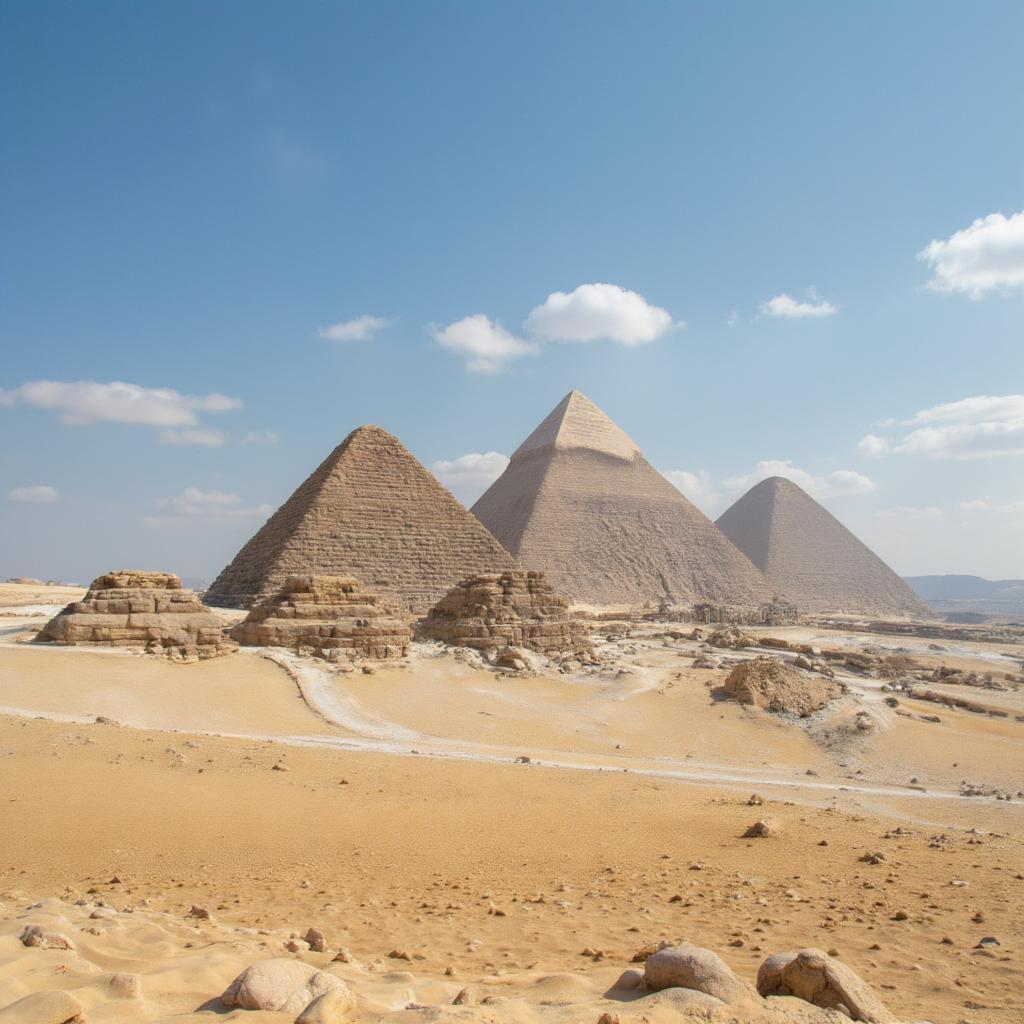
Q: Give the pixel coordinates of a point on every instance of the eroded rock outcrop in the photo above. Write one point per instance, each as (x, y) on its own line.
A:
(770, 684)
(332, 617)
(148, 610)
(495, 611)
(281, 985)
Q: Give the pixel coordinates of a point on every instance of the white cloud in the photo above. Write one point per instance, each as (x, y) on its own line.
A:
(872, 446)
(211, 506)
(598, 311)
(40, 494)
(839, 483)
(785, 305)
(487, 346)
(362, 328)
(261, 437)
(910, 513)
(986, 256)
(698, 487)
(88, 401)
(193, 435)
(1014, 508)
(470, 475)
(980, 427)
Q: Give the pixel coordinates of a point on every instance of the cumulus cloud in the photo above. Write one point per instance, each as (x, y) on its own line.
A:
(38, 494)
(362, 328)
(698, 487)
(910, 513)
(211, 506)
(203, 436)
(839, 483)
(786, 306)
(980, 427)
(598, 311)
(872, 446)
(984, 257)
(468, 476)
(487, 346)
(261, 437)
(89, 401)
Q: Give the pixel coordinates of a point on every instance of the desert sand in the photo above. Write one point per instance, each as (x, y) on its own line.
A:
(519, 836)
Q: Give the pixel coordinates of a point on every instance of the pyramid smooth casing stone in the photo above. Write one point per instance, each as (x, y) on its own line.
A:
(580, 502)
(331, 617)
(372, 511)
(513, 609)
(810, 557)
(149, 610)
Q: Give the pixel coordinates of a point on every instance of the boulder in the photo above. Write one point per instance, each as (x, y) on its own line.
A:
(331, 617)
(493, 612)
(283, 985)
(695, 968)
(44, 1008)
(147, 610)
(814, 976)
(770, 684)
(334, 1007)
(33, 935)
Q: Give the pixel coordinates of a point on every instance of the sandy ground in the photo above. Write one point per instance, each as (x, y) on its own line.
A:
(284, 796)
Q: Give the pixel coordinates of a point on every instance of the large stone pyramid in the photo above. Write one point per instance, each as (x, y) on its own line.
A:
(811, 557)
(372, 511)
(580, 502)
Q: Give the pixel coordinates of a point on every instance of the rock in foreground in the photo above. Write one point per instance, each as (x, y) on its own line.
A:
(329, 616)
(148, 610)
(285, 986)
(774, 686)
(491, 612)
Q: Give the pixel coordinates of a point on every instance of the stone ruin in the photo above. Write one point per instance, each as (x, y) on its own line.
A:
(493, 612)
(331, 617)
(774, 613)
(149, 610)
(770, 684)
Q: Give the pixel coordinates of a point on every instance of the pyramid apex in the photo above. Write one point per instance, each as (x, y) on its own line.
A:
(576, 422)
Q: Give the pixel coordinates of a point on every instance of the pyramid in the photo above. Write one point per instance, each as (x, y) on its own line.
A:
(370, 510)
(580, 502)
(811, 557)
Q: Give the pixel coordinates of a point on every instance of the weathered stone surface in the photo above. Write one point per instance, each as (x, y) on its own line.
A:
(371, 511)
(43, 1008)
(329, 616)
(774, 686)
(695, 968)
(580, 502)
(150, 610)
(814, 976)
(334, 1007)
(810, 557)
(495, 612)
(287, 986)
(33, 935)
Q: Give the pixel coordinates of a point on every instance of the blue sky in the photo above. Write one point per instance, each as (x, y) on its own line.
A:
(203, 199)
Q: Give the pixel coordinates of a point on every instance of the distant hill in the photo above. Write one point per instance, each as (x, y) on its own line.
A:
(970, 594)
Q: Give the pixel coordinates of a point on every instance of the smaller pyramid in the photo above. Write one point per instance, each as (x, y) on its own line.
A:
(811, 557)
(511, 609)
(148, 610)
(331, 617)
(372, 511)
(579, 501)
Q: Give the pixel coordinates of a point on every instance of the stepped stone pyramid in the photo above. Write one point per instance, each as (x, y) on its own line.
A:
(331, 617)
(580, 502)
(811, 557)
(149, 610)
(371, 511)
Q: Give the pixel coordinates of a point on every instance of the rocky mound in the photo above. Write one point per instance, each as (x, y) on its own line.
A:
(494, 611)
(331, 617)
(770, 684)
(150, 610)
